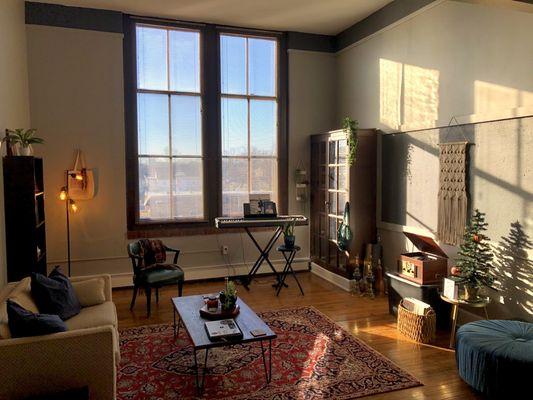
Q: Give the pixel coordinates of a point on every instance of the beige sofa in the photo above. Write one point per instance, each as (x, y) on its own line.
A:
(86, 355)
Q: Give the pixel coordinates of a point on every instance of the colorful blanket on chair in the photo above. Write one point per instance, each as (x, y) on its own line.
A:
(153, 253)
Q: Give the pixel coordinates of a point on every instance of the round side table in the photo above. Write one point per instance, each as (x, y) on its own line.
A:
(483, 302)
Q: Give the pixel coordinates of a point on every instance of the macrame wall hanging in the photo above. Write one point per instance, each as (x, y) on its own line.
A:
(453, 197)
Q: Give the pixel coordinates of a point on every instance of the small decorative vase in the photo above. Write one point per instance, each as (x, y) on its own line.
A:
(471, 293)
(289, 241)
(25, 151)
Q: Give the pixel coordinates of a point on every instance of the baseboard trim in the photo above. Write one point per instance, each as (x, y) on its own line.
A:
(329, 276)
(214, 271)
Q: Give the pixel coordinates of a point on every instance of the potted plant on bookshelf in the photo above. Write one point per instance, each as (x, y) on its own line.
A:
(23, 139)
(288, 235)
(475, 256)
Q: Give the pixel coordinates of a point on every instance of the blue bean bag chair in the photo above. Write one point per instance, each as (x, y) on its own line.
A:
(495, 357)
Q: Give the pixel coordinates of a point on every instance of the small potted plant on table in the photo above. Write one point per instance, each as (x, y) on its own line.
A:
(288, 235)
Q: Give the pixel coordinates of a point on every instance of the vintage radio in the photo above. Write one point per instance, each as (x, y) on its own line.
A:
(427, 266)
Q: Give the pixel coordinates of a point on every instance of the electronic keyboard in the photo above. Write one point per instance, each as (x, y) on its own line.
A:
(241, 222)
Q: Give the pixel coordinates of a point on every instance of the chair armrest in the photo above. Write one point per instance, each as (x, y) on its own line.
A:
(107, 283)
(50, 363)
(176, 253)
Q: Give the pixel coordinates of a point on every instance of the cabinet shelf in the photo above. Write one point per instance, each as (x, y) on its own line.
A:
(24, 216)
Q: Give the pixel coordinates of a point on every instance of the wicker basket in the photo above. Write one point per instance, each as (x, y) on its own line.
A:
(420, 328)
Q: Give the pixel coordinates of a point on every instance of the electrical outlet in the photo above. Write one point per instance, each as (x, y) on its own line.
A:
(224, 249)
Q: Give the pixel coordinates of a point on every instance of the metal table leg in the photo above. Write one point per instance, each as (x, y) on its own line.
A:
(200, 387)
(455, 309)
(268, 371)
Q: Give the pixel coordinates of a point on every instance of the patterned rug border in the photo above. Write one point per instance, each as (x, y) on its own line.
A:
(415, 382)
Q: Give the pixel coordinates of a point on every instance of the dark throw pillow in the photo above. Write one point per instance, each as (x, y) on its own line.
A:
(54, 294)
(23, 323)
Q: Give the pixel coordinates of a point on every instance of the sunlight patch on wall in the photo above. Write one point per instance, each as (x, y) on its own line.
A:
(492, 98)
(421, 95)
(409, 95)
(390, 88)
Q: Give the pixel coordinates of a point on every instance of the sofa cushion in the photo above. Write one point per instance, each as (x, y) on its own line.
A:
(24, 323)
(20, 293)
(90, 292)
(94, 316)
(54, 294)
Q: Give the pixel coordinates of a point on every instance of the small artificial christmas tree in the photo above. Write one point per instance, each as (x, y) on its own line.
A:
(475, 256)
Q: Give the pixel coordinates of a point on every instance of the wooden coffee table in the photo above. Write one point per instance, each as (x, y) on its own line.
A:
(187, 308)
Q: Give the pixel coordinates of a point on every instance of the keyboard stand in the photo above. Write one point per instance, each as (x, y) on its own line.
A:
(263, 256)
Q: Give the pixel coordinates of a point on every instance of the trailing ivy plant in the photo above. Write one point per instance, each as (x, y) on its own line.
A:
(351, 127)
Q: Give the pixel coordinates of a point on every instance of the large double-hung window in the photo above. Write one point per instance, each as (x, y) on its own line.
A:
(169, 124)
(204, 121)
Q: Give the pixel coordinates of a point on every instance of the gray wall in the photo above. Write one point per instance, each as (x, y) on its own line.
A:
(14, 104)
(76, 94)
(456, 59)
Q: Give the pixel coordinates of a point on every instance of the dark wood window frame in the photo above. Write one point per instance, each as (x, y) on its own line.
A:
(211, 126)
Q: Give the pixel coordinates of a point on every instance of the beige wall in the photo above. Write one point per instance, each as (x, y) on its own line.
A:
(14, 106)
(470, 61)
(76, 94)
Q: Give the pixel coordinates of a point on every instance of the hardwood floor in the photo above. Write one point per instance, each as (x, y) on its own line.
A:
(367, 319)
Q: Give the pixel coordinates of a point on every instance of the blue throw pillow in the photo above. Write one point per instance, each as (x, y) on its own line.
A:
(54, 294)
(23, 323)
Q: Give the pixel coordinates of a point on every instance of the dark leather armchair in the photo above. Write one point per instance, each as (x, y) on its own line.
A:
(153, 277)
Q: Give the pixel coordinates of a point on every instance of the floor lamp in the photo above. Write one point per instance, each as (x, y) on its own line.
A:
(70, 205)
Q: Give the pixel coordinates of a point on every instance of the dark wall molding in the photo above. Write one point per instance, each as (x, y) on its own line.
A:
(382, 18)
(73, 17)
(111, 21)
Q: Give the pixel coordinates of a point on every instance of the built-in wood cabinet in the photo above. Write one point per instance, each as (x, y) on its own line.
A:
(24, 216)
(333, 183)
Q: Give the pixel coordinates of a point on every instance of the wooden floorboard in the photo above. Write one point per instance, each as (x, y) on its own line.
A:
(367, 319)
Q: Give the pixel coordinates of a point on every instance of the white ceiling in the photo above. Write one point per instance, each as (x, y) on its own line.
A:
(313, 16)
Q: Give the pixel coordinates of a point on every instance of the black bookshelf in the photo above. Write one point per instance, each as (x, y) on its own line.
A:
(24, 216)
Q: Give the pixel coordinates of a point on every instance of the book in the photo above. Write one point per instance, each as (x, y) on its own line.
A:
(415, 306)
(223, 329)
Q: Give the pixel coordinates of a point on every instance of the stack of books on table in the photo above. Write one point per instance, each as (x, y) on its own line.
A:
(416, 306)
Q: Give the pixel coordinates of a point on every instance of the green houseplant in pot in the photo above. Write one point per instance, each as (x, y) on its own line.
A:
(23, 139)
(288, 235)
(475, 257)
(228, 296)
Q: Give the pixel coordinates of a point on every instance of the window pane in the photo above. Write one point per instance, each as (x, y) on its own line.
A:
(188, 199)
(264, 176)
(234, 127)
(261, 68)
(151, 58)
(234, 185)
(152, 120)
(154, 188)
(233, 64)
(186, 125)
(263, 129)
(184, 61)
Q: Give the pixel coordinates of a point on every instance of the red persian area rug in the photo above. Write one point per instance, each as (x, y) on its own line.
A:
(313, 358)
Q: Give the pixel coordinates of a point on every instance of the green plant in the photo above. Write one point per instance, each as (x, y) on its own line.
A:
(228, 297)
(351, 127)
(23, 137)
(475, 254)
(288, 229)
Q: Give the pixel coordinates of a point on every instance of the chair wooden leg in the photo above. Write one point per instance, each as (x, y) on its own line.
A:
(135, 290)
(180, 288)
(156, 295)
(148, 300)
